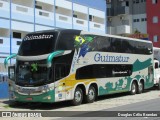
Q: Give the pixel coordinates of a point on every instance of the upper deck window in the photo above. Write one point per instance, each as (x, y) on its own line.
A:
(38, 44)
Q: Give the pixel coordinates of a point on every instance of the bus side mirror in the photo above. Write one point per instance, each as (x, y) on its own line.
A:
(11, 73)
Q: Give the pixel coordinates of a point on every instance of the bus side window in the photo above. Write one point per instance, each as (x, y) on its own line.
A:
(59, 71)
(116, 45)
(156, 65)
(66, 40)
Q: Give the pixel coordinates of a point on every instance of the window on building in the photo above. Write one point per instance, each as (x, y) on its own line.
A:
(134, 1)
(135, 20)
(155, 19)
(143, 0)
(56, 7)
(127, 3)
(155, 38)
(16, 35)
(38, 7)
(142, 19)
(90, 17)
(154, 1)
(1, 41)
(40, 13)
(108, 1)
(137, 1)
(18, 42)
(74, 15)
(1, 4)
(145, 19)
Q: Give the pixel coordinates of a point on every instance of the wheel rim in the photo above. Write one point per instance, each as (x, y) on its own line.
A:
(91, 94)
(78, 96)
(140, 86)
(133, 88)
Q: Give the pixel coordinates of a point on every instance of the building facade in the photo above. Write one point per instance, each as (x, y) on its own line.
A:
(125, 17)
(19, 17)
(153, 21)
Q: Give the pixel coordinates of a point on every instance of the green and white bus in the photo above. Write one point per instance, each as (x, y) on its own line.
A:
(62, 64)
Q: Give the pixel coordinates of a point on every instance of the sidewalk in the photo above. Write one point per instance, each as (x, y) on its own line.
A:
(3, 103)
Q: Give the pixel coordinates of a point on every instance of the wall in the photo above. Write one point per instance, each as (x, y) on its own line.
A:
(153, 28)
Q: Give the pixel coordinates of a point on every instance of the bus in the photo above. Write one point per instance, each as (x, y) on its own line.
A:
(77, 66)
(156, 53)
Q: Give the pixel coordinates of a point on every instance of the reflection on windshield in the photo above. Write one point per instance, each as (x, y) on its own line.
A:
(38, 44)
(32, 74)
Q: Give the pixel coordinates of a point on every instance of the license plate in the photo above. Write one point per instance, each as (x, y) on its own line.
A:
(28, 98)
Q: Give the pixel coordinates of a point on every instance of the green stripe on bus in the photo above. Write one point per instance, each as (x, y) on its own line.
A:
(36, 98)
(141, 65)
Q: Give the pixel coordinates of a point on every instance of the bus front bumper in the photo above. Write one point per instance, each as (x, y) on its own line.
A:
(48, 97)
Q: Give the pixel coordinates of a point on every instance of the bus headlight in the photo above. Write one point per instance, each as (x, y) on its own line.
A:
(47, 97)
(44, 91)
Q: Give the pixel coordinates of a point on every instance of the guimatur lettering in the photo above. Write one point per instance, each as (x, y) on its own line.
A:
(107, 58)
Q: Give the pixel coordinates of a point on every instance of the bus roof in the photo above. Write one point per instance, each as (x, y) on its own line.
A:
(53, 30)
(89, 33)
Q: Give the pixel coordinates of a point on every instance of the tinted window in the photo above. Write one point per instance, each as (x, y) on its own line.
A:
(156, 65)
(110, 44)
(66, 40)
(127, 46)
(103, 71)
(59, 71)
(136, 47)
(105, 44)
(101, 43)
(62, 64)
(116, 45)
(38, 44)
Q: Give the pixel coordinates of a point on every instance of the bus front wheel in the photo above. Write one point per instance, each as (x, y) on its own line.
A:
(91, 95)
(133, 88)
(78, 96)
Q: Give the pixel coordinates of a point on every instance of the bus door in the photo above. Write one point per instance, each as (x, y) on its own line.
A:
(60, 81)
(11, 81)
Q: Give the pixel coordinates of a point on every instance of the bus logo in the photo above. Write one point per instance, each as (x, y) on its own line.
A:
(34, 67)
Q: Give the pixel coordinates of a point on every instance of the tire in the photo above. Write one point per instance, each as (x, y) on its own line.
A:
(158, 87)
(78, 97)
(140, 88)
(91, 95)
(133, 88)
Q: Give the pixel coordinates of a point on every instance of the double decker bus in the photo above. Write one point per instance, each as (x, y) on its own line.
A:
(62, 64)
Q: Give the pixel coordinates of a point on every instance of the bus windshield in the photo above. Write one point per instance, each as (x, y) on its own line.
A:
(32, 73)
(38, 44)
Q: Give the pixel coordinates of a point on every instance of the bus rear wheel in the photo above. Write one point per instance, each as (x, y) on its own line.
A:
(140, 87)
(91, 95)
(78, 96)
(158, 87)
(133, 88)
